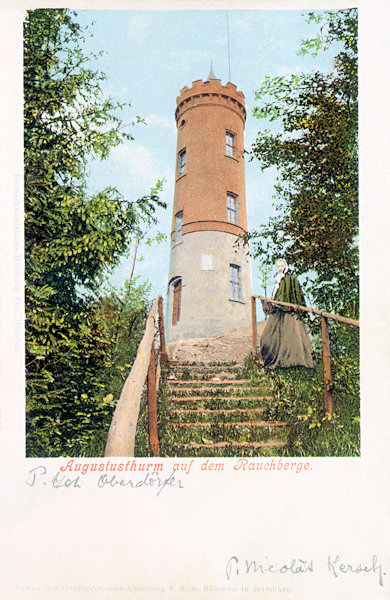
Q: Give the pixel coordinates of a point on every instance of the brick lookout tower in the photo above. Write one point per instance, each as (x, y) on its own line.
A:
(209, 282)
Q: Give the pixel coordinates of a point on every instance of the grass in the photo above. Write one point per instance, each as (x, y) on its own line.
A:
(298, 399)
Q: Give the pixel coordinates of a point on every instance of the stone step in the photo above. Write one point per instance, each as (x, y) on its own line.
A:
(220, 411)
(269, 444)
(212, 389)
(207, 368)
(228, 424)
(199, 365)
(193, 361)
(218, 398)
(201, 383)
(205, 376)
(243, 431)
(216, 415)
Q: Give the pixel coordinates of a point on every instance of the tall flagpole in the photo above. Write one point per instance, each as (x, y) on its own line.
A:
(228, 41)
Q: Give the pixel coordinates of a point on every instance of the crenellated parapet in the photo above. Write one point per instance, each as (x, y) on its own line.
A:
(210, 93)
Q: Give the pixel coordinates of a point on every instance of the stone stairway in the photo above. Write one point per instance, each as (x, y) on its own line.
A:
(214, 410)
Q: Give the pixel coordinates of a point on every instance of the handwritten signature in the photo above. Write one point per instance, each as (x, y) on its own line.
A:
(296, 566)
(39, 475)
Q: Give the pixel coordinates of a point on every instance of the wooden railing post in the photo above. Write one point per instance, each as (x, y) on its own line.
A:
(254, 324)
(328, 397)
(152, 404)
(121, 436)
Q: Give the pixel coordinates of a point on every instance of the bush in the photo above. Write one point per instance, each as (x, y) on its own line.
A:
(298, 399)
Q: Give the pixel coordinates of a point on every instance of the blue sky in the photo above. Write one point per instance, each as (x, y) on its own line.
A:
(149, 56)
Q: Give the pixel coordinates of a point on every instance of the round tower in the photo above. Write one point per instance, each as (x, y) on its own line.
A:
(209, 282)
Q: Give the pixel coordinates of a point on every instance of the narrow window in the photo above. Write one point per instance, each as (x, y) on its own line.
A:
(176, 301)
(232, 208)
(231, 144)
(235, 282)
(181, 162)
(178, 226)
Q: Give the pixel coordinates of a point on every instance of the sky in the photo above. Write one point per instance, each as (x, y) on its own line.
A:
(148, 57)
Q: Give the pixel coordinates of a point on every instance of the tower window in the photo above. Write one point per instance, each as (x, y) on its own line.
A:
(181, 162)
(231, 145)
(178, 226)
(235, 282)
(232, 208)
(176, 301)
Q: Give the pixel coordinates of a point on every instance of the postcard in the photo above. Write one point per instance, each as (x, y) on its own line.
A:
(194, 342)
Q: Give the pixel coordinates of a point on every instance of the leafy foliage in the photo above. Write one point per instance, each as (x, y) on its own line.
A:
(72, 238)
(316, 224)
(298, 399)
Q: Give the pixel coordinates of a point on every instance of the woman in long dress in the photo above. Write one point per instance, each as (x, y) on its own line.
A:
(285, 341)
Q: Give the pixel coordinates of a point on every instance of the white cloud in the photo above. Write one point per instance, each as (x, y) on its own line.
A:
(139, 162)
(162, 121)
(187, 58)
(139, 167)
(140, 27)
(242, 23)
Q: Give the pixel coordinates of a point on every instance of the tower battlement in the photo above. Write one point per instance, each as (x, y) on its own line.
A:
(210, 92)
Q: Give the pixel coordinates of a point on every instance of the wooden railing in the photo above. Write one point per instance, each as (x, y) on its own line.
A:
(121, 436)
(328, 396)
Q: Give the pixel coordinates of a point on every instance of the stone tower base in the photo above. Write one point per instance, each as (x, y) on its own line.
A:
(202, 260)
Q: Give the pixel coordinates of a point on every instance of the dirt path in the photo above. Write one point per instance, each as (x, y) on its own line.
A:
(233, 346)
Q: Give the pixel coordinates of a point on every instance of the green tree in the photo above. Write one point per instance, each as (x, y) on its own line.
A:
(316, 222)
(72, 238)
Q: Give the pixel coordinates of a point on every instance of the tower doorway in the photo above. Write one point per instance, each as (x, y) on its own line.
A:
(176, 301)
